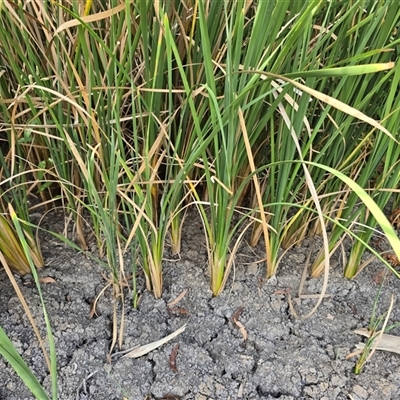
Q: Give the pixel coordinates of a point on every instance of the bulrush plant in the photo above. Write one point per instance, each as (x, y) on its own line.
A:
(71, 86)
(227, 91)
(166, 141)
(280, 116)
(322, 124)
(36, 103)
(129, 111)
(281, 124)
(119, 128)
(366, 154)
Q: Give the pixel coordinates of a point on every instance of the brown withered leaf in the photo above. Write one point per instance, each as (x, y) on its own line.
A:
(378, 277)
(237, 313)
(235, 319)
(178, 310)
(93, 309)
(242, 329)
(178, 299)
(47, 279)
(392, 259)
(172, 358)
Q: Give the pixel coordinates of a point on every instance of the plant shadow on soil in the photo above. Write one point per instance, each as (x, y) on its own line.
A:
(282, 358)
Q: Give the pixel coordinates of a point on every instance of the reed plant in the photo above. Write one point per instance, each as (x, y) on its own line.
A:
(257, 119)
(275, 117)
(126, 112)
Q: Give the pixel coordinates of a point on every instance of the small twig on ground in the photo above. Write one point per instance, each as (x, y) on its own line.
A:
(83, 384)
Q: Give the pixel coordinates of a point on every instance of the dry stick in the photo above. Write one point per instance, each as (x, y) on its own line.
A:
(94, 303)
(303, 276)
(115, 321)
(121, 293)
(83, 384)
(303, 279)
(178, 299)
(300, 293)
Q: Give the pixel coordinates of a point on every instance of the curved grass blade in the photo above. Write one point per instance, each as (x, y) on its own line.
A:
(53, 359)
(8, 351)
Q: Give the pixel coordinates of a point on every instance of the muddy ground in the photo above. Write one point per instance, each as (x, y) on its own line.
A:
(282, 357)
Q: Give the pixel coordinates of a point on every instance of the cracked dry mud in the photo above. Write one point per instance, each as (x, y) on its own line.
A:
(282, 358)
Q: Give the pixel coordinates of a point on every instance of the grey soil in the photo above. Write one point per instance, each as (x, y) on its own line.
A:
(282, 358)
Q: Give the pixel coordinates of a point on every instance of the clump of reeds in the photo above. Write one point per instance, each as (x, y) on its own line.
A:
(284, 113)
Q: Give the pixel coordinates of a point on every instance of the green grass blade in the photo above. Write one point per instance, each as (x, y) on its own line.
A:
(369, 203)
(7, 350)
(53, 358)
